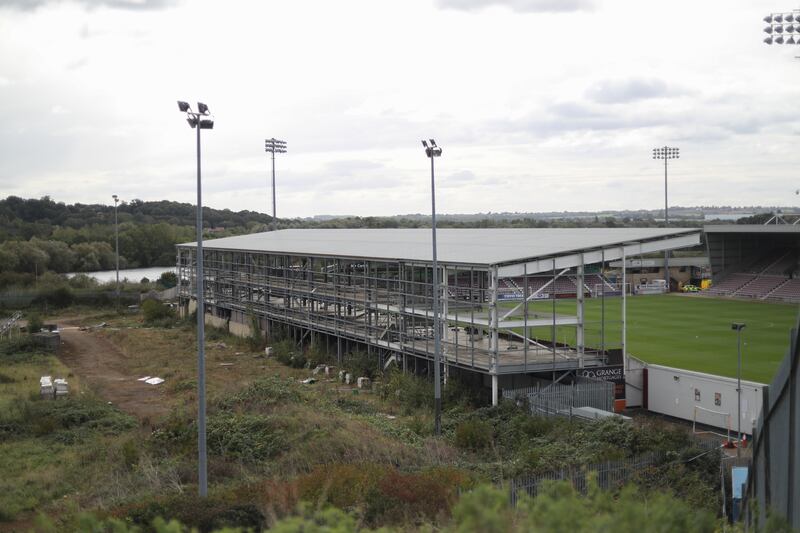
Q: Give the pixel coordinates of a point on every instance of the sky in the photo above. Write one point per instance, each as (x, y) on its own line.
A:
(539, 105)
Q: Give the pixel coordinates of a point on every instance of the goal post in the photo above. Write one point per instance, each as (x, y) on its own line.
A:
(718, 419)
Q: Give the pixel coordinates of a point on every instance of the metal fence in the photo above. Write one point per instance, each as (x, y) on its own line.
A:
(774, 481)
(558, 399)
(609, 475)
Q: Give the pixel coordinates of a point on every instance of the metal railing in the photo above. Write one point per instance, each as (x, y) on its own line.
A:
(558, 399)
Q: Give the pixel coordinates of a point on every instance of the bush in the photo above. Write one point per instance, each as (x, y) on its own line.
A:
(473, 434)
(286, 353)
(35, 323)
(382, 493)
(211, 513)
(262, 393)
(247, 437)
(361, 364)
(156, 312)
(58, 297)
(410, 391)
(67, 420)
(256, 339)
(168, 279)
(316, 355)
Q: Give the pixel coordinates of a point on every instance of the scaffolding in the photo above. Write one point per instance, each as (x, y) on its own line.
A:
(491, 312)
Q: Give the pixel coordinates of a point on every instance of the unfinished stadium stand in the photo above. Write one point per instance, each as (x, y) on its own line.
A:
(755, 261)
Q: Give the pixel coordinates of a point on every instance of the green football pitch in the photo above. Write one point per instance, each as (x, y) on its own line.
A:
(685, 331)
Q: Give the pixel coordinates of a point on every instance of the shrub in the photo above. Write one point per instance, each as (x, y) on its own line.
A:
(168, 279)
(156, 312)
(382, 493)
(316, 355)
(247, 437)
(58, 297)
(361, 364)
(67, 420)
(35, 323)
(408, 390)
(286, 353)
(211, 513)
(473, 434)
(262, 393)
(256, 339)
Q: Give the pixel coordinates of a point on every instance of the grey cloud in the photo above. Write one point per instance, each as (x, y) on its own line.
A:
(351, 167)
(522, 6)
(627, 90)
(132, 5)
(457, 179)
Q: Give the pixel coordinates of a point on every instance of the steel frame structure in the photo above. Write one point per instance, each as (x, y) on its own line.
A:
(385, 307)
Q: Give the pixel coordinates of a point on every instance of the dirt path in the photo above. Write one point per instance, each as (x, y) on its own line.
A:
(103, 367)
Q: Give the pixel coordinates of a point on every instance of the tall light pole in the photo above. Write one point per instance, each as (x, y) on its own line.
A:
(274, 146)
(116, 240)
(738, 327)
(666, 153)
(784, 28)
(199, 121)
(432, 152)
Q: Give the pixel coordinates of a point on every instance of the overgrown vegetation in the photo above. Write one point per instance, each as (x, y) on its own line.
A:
(156, 313)
(277, 445)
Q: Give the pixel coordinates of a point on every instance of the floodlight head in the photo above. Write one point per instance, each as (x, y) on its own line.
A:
(768, 29)
(788, 28)
(768, 40)
(202, 108)
(206, 124)
(425, 143)
(115, 197)
(738, 326)
(768, 19)
(433, 143)
(779, 39)
(777, 29)
(183, 106)
(777, 18)
(192, 121)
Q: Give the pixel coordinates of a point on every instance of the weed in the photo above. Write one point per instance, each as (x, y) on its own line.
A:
(473, 434)
(247, 437)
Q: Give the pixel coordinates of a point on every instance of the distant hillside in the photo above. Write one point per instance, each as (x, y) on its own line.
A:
(37, 235)
(25, 218)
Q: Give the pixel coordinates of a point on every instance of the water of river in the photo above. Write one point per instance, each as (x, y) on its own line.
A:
(133, 274)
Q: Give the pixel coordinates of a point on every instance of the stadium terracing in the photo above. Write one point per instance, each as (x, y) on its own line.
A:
(372, 290)
(759, 262)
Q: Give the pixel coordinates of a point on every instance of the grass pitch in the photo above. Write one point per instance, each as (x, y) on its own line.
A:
(687, 331)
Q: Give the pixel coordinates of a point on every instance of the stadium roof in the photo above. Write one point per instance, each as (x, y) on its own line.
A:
(752, 228)
(455, 246)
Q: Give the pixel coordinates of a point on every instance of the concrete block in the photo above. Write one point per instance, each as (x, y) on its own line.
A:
(364, 383)
(348, 378)
(268, 351)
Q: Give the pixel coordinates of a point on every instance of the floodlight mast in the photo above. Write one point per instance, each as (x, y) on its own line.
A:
(274, 146)
(116, 241)
(738, 327)
(432, 152)
(783, 28)
(199, 121)
(666, 153)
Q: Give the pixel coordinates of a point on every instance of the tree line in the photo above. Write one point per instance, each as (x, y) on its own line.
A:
(38, 235)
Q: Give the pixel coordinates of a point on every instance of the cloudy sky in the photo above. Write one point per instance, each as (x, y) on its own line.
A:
(539, 105)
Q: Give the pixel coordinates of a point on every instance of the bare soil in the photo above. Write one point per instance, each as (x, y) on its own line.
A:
(106, 370)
